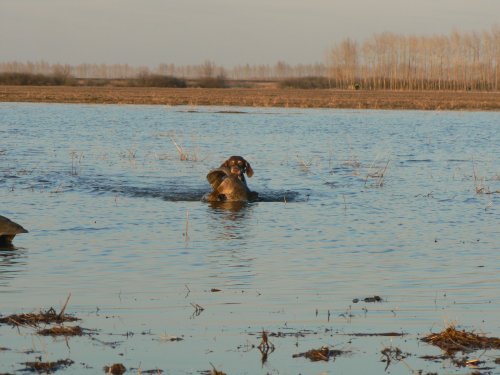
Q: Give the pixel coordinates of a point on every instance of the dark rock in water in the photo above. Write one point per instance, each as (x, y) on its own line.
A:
(8, 230)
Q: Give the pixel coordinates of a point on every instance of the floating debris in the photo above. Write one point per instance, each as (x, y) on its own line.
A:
(155, 371)
(45, 317)
(388, 334)
(116, 369)
(390, 354)
(165, 337)
(265, 347)
(322, 354)
(34, 319)
(452, 340)
(368, 299)
(197, 310)
(474, 363)
(62, 331)
(215, 371)
(47, 367)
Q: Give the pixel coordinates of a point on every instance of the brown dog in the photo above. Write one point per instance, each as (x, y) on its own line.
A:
(228, 181)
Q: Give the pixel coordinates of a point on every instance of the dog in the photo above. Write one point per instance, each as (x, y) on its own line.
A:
(229, 183)
(8, 230)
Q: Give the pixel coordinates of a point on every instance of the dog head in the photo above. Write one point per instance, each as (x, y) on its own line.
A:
(238, 166)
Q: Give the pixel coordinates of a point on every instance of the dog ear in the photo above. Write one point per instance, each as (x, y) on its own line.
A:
(249, 169)
(225, 164)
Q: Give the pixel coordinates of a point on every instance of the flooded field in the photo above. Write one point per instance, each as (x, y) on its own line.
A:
(373, 230)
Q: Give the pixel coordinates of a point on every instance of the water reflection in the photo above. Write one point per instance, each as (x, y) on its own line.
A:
(12, 262)
(229, 219)
(231, 263)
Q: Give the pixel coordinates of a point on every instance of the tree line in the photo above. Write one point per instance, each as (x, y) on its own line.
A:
(457, 61)
(280, 70)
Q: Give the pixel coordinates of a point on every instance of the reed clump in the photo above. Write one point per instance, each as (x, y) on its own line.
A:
(62, 331)
(34, 319)
(49, 316)
(215, 371)
(115, 369)
(322, 354)
(47, 367)
(184, 154)
(452, 340)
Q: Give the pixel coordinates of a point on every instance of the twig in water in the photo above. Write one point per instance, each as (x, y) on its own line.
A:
(303, 164)
(182, 155)
(265, 347)
(481, 188)
(215, 371)
(197, 309)
(186, 233)
(379, 174)
(61, 314)
(76, 160)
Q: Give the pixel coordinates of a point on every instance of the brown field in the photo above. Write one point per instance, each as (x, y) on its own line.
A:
(257, 97)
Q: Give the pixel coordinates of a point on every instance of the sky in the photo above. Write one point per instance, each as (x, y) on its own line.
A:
(227, 32)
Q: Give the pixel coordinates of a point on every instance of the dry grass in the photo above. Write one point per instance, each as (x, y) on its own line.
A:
(322, 354)
(115, 369)
(47, 367)
(257, 97)
(184, 154)
(43, 317)
(35, 319)
(377, 173)
(452, 340)
(62, 331)
(480, 182)
(215, 371)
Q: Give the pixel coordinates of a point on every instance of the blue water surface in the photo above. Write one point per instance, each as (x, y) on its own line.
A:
(398, 204)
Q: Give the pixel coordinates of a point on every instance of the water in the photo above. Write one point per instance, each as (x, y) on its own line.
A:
(116, 219)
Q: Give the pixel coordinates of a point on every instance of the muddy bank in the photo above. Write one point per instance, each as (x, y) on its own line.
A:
(257, 97)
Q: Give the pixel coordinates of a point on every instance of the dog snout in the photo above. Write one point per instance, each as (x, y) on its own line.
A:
(237, 170)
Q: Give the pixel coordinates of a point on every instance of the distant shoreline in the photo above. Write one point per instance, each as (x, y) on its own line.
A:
(257, 97)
